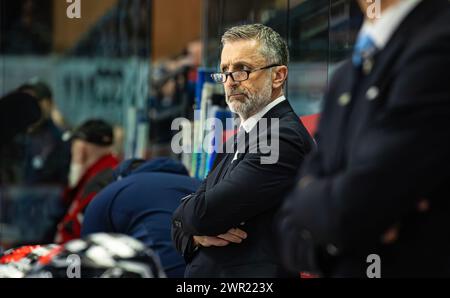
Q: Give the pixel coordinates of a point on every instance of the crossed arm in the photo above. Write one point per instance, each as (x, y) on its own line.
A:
(250, 188)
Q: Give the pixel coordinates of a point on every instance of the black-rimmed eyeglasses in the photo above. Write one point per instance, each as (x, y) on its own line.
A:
(237, 76)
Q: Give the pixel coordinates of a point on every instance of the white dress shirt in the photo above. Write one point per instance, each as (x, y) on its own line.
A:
(382, 29)
(253, 120)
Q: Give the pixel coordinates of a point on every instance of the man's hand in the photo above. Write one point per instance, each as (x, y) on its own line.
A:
(232, 236)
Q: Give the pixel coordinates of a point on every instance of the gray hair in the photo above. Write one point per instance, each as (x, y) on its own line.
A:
(273, 46)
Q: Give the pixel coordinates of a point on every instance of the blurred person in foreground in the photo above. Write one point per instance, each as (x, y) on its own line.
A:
(373, 199)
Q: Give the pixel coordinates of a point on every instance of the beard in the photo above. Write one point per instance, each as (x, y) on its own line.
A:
(75, 173)
(251, 103)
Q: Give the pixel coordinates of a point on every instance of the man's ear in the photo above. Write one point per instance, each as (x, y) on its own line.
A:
(279, 76)
(46, 106)
(83, 152)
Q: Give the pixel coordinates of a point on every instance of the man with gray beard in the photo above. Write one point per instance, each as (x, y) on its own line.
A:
(225, 228)
(91, 169)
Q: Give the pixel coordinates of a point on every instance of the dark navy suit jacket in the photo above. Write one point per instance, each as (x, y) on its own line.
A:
(244, 193)
(383, 148)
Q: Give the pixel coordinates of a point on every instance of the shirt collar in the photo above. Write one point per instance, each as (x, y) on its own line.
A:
(382, 29)
(251, 122)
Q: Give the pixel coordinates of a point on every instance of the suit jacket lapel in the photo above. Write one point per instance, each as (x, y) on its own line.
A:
(358, 86)
(275, 113)
(224, 161)
(385, 60)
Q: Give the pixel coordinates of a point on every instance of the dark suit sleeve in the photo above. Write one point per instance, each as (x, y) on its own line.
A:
(314, 161)
(249, 189)
(182, 240)
(401, 156)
